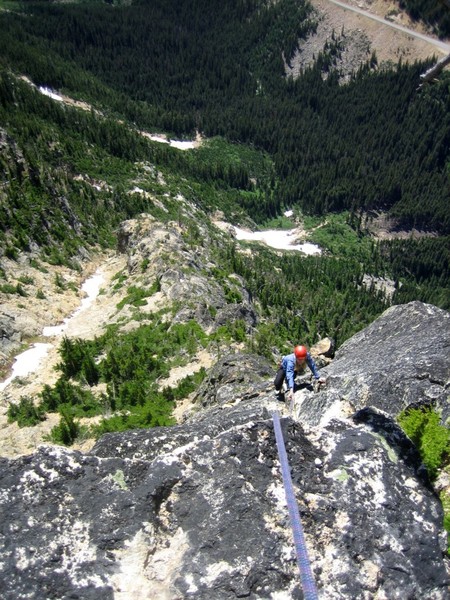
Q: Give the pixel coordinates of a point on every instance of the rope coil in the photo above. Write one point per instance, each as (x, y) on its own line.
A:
(306, 577)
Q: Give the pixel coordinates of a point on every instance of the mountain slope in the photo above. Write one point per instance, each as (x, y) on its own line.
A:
(172, 369)
(231, 81)
(361, 36)
(198, 509)
(73, 171)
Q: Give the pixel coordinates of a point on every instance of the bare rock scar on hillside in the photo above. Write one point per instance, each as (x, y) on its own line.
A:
(360, 36)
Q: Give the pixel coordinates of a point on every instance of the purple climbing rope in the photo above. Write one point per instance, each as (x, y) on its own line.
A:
(308, 584)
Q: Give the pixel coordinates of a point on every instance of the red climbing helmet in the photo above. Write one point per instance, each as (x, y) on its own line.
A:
(300, 352)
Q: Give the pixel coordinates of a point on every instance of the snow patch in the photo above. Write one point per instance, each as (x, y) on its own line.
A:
(182, 145)
(50, 93)
(91, 287)
(27, 362)
(279, 239)
(179, 144)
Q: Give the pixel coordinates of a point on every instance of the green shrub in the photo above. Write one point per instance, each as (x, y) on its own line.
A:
(54, 257)
(187, 335)
(156, 412)
(238, 330)
(232, 296)
(445, 499)
(64, 394)
(231, 331)
(67, 431)
(130, 392)
(89, 371)
(7, 288)
(135, 296)
(11, 252)
(265, 340)
(36, 265)
(26, 414)
(121, 278)
(155, 287)
(78, 360)
(432, 439)
(26, 279)
(59, 281)
(192, 235)
(20, 290)
(131, 364)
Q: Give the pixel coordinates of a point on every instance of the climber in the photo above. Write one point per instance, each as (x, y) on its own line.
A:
(293, 364)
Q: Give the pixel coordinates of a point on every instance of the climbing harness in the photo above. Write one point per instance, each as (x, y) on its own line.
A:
(306, 577)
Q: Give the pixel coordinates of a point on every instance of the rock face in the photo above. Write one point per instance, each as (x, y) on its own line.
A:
(234, 376)
(185, 272)
(198, 510)
(401, 359)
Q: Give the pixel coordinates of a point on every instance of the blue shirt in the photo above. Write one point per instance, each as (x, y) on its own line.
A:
(289, 365)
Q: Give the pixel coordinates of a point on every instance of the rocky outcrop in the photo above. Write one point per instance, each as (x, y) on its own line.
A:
(237, 312)
(185, 273)
(198, 510)
(9, 336)
(401, 359)
(235, 376)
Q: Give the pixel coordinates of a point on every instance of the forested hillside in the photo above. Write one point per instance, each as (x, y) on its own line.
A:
(435, 13)
(180, 66)
(331, 152)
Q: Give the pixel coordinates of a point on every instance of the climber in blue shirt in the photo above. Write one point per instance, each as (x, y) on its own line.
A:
(293, 364)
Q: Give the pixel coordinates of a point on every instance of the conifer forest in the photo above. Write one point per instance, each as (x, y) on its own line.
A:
(335, 154)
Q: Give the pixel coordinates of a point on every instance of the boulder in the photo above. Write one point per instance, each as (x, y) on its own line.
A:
(233, 377)
(15, 326)
(323, 348)
(237, 312)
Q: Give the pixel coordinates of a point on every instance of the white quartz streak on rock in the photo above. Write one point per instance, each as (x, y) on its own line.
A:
(146, 569)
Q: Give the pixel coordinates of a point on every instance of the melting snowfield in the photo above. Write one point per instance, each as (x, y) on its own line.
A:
(278, 239)
(180, 144)
(28, 362)
(91, 288)
(162, 139)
